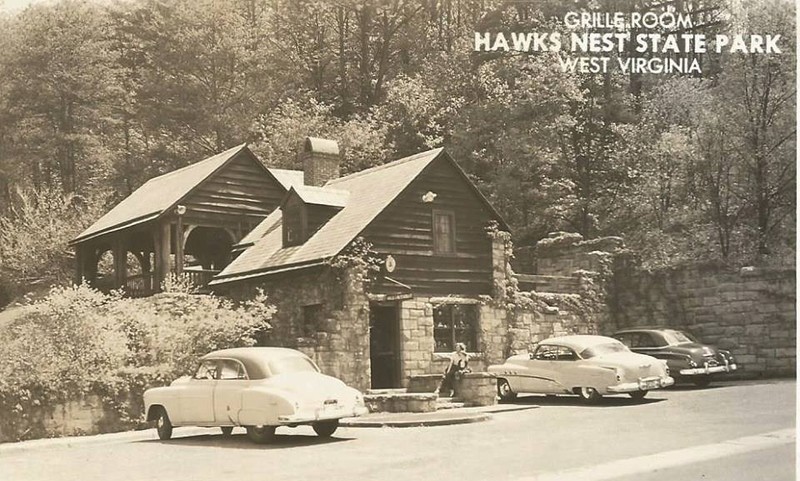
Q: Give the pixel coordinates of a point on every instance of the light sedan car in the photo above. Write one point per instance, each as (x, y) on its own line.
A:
(259, 388)
(688, 359)
(589, 366)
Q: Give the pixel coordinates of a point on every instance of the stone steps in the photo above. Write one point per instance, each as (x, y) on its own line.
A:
(448, 403)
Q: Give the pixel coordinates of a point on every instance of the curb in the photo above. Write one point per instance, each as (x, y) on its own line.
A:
(408, 420)
(412, 423)
(397, 420)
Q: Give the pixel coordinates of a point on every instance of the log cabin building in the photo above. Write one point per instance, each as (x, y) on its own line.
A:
(286, 232)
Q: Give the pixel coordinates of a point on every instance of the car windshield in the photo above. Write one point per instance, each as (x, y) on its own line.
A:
(603, 349)
(291, 364)
(677, 337)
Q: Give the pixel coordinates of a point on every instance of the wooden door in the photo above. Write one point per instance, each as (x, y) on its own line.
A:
(384, 345)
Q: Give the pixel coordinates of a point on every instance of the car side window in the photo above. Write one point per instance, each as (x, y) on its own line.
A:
(625, 339)
(566, 354)
(647, 340)
(230, 369)
(207, 370)
(658, 340)
(545, 353)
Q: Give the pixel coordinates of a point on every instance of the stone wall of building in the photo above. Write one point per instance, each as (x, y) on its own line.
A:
(339, 341)
(418, 356)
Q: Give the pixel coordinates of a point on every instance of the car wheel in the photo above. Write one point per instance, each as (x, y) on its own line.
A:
(226, 430)
(504, 390)
(702, 381)
(637, 394)
(163, 425)
(589, 394)
(261, 434)
(325, 429)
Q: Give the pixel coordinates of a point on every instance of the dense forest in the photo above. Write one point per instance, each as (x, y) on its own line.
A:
(96, 98)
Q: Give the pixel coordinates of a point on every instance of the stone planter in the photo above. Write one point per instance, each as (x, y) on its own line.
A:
(477, 389)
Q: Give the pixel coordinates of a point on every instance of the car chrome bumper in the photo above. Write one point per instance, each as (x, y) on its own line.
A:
(322, 415)
(643, 384)
(701, 371)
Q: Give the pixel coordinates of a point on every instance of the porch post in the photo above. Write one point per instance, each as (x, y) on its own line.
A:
(80, 262)
(180, 210)
(161, 242)
(120, 262)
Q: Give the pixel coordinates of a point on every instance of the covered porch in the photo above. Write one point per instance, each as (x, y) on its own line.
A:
(138, 257)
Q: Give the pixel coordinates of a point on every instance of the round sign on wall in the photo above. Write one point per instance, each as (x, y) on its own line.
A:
(391, 264)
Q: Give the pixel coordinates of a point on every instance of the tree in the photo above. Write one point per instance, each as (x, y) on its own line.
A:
(58, 82)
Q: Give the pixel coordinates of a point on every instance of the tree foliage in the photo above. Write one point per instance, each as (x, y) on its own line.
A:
(96, 99)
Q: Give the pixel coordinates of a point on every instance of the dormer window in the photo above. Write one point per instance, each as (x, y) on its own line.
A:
(306, 210)
(293, 223)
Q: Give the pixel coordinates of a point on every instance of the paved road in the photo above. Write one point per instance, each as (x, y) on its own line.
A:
(728, 432)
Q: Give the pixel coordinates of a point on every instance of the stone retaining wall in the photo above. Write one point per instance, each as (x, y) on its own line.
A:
(79, 417)
(752, 312)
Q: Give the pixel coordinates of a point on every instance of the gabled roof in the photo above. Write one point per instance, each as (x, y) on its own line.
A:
(370, 192)
(160, 194)
(157, 195)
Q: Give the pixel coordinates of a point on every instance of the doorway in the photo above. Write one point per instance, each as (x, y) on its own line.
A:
(384, 345)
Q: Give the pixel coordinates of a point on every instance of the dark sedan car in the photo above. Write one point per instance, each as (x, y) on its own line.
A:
(688, 360)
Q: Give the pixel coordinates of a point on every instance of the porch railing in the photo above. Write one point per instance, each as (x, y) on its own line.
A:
(200, 277)
(143, 285)
(140, 285)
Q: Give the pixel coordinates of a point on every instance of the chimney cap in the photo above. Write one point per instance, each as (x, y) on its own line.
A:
(320, 146)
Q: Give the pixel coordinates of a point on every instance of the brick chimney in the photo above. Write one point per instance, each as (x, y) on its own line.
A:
(320, 160)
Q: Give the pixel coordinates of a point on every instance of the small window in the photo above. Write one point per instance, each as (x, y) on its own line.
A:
(293, 221)
(312, 320)
(444, 232)
(453, 323)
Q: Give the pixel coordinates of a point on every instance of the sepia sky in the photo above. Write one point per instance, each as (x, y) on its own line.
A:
(13, 6)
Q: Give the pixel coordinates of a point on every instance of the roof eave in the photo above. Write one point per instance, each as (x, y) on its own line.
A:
(249, 275)
(115, 228)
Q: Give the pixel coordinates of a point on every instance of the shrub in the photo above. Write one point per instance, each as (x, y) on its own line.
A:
(78, 341)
